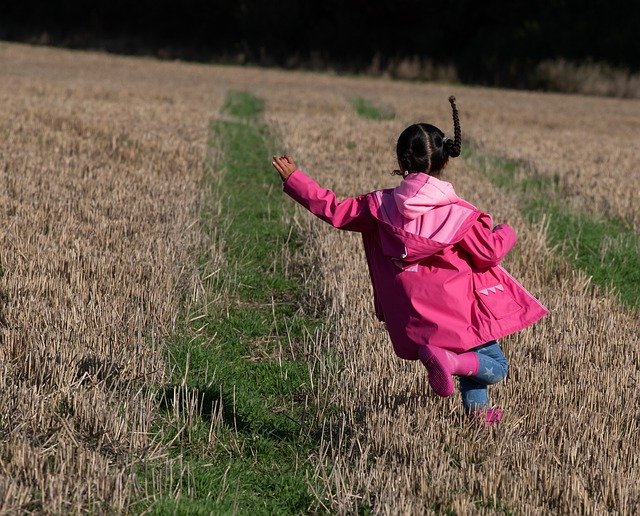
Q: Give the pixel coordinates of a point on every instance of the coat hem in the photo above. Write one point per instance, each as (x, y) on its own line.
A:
(506, 332)
(493, 336)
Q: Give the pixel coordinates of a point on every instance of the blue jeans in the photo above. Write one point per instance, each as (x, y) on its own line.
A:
(492, 368)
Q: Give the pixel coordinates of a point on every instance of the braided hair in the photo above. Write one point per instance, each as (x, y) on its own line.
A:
(425, 148)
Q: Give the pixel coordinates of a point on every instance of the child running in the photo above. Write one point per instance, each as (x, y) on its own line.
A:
(434, 264)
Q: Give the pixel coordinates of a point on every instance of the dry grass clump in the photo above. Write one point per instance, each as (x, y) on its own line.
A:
(100, 163)
(412, 69)
(568, 443)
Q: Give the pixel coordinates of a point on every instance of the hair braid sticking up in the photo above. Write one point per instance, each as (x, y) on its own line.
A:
(453, 146)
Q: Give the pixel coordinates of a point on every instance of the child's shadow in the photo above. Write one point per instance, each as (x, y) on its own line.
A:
(211, 404)
(208, 403)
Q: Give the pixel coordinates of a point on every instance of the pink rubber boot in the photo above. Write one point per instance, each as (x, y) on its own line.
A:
(442, 365)
(491, 416)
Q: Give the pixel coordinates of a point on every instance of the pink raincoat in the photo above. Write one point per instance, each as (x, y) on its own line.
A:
(433, 260)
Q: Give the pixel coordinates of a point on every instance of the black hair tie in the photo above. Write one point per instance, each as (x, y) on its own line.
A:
(445, 147)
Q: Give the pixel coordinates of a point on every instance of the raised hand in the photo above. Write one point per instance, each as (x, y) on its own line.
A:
(284, 165)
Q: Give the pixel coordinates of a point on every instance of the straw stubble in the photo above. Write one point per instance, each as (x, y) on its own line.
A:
(100, 165)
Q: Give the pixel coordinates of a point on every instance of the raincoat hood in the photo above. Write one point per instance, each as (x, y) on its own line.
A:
(419, 193)
(420, 217)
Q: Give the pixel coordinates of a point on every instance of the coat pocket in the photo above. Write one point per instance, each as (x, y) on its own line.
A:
(498, 301)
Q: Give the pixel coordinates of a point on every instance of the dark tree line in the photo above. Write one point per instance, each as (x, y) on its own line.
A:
(488, 41)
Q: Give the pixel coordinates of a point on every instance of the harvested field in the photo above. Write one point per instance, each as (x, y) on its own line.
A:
(101, 164)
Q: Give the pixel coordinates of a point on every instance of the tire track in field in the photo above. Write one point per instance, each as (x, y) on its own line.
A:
(607, 250)
(241, 399)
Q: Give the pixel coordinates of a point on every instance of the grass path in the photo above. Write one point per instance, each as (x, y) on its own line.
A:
(367, 109)
(244, 435)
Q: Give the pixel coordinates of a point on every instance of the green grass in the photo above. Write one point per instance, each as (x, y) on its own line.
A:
(242, 104)
(258, 463)
(605, 248)
(366, 109)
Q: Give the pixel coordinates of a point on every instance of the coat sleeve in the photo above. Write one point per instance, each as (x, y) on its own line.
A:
(486, 245)
(351, 214)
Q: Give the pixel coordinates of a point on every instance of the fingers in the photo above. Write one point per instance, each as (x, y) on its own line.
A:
(276, 164)
(281, 166)
(282, 161)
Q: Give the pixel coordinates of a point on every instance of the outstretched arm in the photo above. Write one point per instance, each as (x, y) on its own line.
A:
(350, 214)
(486, 245)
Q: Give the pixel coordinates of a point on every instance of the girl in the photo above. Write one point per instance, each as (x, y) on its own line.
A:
(434, 263)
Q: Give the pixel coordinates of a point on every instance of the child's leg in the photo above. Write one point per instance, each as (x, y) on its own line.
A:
(474, 395)
(493, 365)
(484, 364)
(492, 369)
